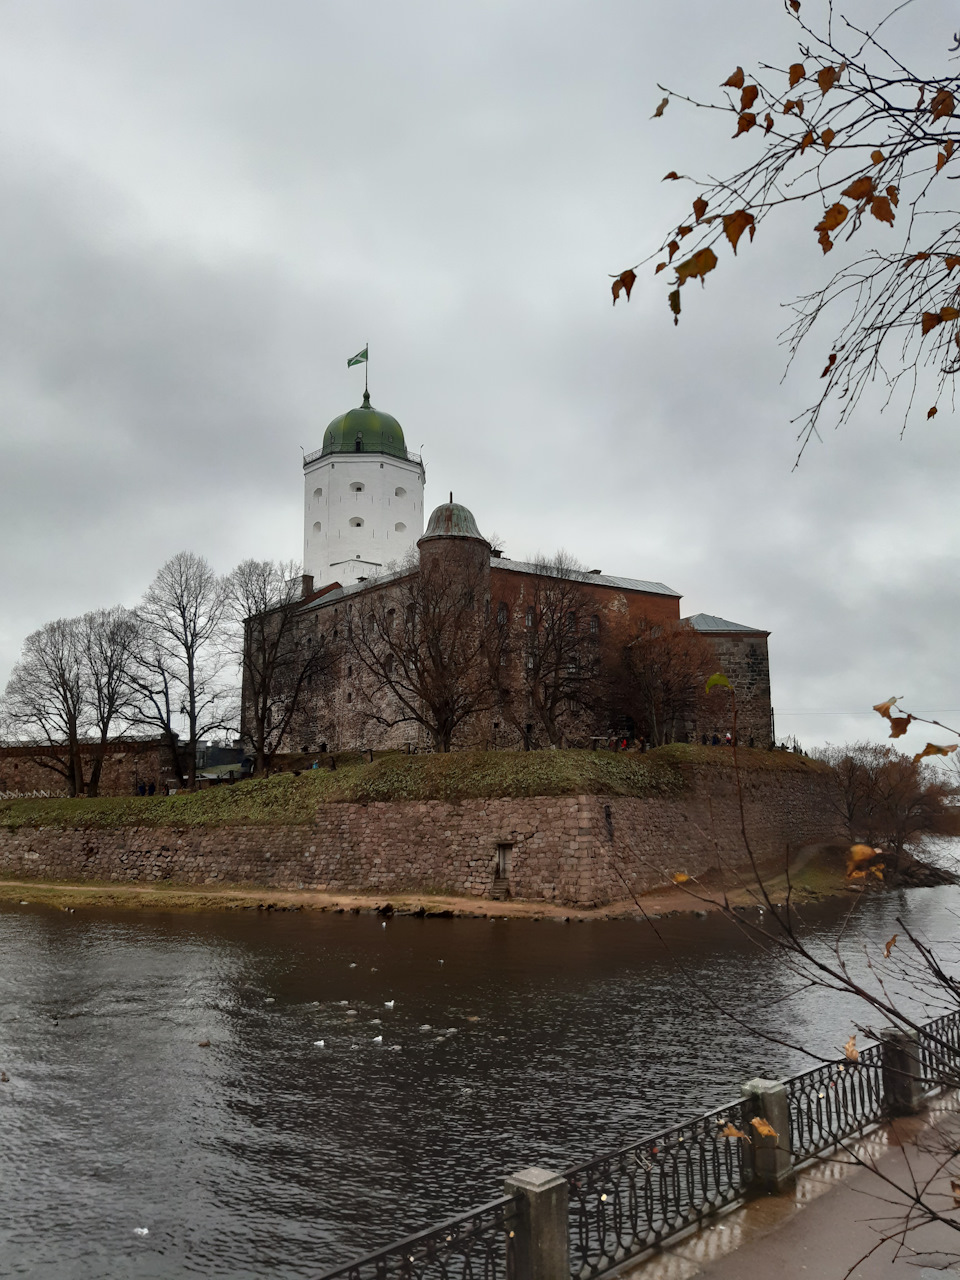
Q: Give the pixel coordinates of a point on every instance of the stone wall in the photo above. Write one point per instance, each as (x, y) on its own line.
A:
(571, 849)
(126, 764)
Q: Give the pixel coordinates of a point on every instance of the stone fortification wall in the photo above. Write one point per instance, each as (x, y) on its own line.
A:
(571, 849)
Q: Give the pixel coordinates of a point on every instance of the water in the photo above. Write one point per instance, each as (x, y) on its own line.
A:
(265, 1153)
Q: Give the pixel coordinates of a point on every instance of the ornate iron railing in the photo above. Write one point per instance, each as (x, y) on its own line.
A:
(632, 1200)
(475, 1246)
(939, 1051)
(834, 1101)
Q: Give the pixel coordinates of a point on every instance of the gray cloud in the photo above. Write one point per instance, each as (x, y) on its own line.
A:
(205, 209)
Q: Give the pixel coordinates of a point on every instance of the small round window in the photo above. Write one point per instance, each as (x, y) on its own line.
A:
(318, 493)
(356, 523)
(400, 527)
(399, 493)
(357, 487)
(317, 528)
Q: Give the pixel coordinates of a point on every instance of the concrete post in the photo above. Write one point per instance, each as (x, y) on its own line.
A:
(542, 1241)
(902, 1085)
(769, 1153)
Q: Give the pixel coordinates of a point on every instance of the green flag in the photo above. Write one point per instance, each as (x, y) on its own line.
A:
(359, 358)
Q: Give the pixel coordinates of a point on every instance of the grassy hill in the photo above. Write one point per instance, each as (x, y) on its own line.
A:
(290, 798)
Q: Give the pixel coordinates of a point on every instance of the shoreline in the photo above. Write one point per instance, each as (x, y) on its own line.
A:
(665, 900)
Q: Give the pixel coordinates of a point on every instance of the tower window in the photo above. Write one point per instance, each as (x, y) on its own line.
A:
(399, 493)
(317, 528)
(349, 697)
(400, 527)
(356, 522)
(357, 487)
(594, 625)
(531, 616)
(318, 493)
(501, 614)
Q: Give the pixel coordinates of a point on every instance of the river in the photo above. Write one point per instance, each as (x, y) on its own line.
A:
(453, 1051)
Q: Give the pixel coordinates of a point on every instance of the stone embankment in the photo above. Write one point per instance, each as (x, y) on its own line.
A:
(583, 850)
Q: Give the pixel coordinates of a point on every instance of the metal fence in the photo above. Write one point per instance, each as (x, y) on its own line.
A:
(627, 1202)
(475, 1246)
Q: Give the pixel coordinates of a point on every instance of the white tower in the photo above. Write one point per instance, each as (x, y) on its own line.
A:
(363, 498)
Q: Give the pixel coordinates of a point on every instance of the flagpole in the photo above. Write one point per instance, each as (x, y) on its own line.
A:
(366, 366)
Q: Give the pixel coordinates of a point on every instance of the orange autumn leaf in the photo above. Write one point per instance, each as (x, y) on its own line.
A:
(950, 261)
(850, 1050)
(878, 872)
(730, 1130)
(918, 257)
(673, 246)
(673, 297)
(672, 176)
(699, 207)
(876, 157)
(881, 209)
(795, 5)
(889, 947)
(949, 313)
(826, 77)
(827, 137)
(900, 724)
(764, 1127)
(745, 123)
(884, 708)
(734, 225)
(806, 141)
(941, 160)
(832, 218)
(929, 320)
(683, 231)
(680, 877)
(825, 242)
(734, 81)
(767, 122)
(894, 196)
(661, 266)
(932, 749)
(942, 104)
(832, 360)
(749, 96)
(797, 73)
(932, 411)
(790, 105)
(623, 283)
(660, 109)
(860, 188)
(699, 264)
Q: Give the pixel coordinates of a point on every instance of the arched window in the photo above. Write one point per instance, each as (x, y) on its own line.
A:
(349, 697)
(571, 620)
(317, 527)
(388, 665)
(594, 625)
(501, 614)
(391, 619)
(400, 527)
(399, 492)
(318, 493)
(358, 443)
(411, 612)
(356, 522)
(357, 487)
(531, 616)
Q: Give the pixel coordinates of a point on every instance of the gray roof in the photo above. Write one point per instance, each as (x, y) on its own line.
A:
(602, 579)
(710, 622)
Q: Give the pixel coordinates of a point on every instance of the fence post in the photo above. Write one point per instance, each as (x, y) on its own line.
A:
(770, 1153)
(542, 1240)
(902, 1084)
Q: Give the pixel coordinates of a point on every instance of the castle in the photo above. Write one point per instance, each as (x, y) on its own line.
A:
(435, 639)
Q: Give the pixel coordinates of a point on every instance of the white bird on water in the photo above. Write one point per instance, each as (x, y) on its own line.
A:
(378, 1039)
(388, 1004)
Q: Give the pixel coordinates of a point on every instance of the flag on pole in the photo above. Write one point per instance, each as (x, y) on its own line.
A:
(359, 358)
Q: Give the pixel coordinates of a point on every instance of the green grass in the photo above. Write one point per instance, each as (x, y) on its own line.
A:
(286, 799)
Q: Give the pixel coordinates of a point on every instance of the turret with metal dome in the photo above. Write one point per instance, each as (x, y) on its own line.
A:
(363, 498)
(451, 520)
(454, 543)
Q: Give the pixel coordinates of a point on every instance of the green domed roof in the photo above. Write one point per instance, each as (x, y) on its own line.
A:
(451, 520)
(364, 430)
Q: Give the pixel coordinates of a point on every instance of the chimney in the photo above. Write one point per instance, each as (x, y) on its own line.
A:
(306, 585)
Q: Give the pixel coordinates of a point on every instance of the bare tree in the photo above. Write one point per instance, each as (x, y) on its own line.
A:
(425, 646)
(658, 679)
(885, 797)
(868, 142)
(181, 657)
(109, 646)
(280, 657)
(44, 702)
(558, 656)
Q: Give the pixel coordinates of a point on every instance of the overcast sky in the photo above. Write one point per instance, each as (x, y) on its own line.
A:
(207, 206)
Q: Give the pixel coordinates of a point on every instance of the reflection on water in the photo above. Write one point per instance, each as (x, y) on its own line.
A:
(453, 1051)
